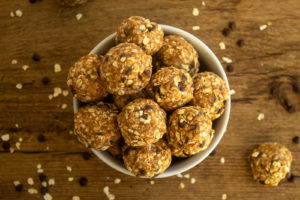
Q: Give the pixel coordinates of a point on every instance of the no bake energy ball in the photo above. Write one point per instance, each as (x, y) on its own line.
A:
(72, 2)
(189, 131)
(177, 52)
(96, 126)
(270, 163)
(148, 161)
(210, 93)
(142, 122)
(84, 81)
(144, 33)
(126, 69)
(171, 87)
(122, 100)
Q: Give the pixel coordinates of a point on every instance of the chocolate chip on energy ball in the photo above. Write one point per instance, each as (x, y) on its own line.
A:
(46, 80)
(42, 177)
(19, 187)
(296, 139)
(86, 155)
(226, 32)
(6, 145)
(241, 42)
(36, 57)
(41, 138)
(232, 25)
(83, 181)
(230, 68)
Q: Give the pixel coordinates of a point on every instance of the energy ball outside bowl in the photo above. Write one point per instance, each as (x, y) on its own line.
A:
(144, 33)
(270, 163)
(122, 100)
(148, 161)
(72, 2)
(126, 69)
(189, 131)
(84, 81)
(171, 87)
(210, 93)
(142, 122)
(96, 126)
(177, 52)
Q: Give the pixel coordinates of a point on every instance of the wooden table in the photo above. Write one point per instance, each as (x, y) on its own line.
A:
(269, 57)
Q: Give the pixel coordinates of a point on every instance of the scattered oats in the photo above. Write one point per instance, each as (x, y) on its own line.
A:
(75, 198)
(70, 179)
(51, 181)
(224, 196)
(226, 60)
(40, 171)
(12, 14)
(12, 150)
(186, 176)
(39, 166)
(260, 116)
(64, 106)
(222, 45)
(195, 11)
(20, 139)
(57, 68)
(32, 191)
(179, 175)
(262, 64)
(25, 67)
(117, 181)
(152, 182)
(79, 16)
(69, 168)
(44, 184)
(57, 91)
(16, 125)
(196, 28)
(30, 181)
(47, 196)
(19, 86)
(16, 183)
(65, 92)
(108, 194)
(262, 27)
(203, 3)
(14, 61)
(50, 96)
(19, 13)
(269, 23)
(181, 185)
(71, 132)
(5, 137)
(222, 160)
(232, 92)
(193, 180)
(18, 145)
(107, 178)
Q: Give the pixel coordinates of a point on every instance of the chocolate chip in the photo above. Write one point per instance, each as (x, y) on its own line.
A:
(32, 1)
(73, 91)
(196, 127)
(262, 182)
(230, 68)
(291, 109)
(185, 154)
(202, 144)
(36, 57)
(127, 31)
(220, 110)
(145, 116)
(187, 139)
(181, 86)
(123, 79)
(86, 155)
(128, 71)
(83, 181)
(148, 107)
(106, 58)
(46, 80)
(19, 188)
(41, 138)
(100, 133)
(183, 78)
(156, 89)
(274, 91)
(43, 190)
(296, 139)
(126, 152)
(157, 151)
(213, 153)
(226, 31)
(42, 177)
(241, 42)
(232, 25)
(122, 56)
(181, 124)
(147, 73)
(192, 64)
(289, 105)
(142, 172)
(296, 88)
(6, 145)
(151, 28)
(291, 178)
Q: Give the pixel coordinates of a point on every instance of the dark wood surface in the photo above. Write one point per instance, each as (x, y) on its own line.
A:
(269, 57)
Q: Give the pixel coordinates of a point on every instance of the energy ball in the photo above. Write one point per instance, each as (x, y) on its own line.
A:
(126, 69)
(72, 2)
(142, 122)
(148, 161)
(210, 93)
(144, 33)
(84, 81)
(96, 126)
(270, 163)
(177, 52)
(189, 131)
(122, 100)
(171, 87)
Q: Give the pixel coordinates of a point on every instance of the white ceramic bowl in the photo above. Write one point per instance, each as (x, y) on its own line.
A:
(211, 63)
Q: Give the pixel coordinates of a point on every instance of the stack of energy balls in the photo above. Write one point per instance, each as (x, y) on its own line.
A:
(145, 98)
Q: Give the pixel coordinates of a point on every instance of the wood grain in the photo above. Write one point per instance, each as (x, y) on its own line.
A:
(268, 58)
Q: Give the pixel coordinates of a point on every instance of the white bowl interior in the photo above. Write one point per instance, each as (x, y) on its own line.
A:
(211, 63)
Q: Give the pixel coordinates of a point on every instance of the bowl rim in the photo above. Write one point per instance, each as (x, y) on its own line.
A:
(102, 155)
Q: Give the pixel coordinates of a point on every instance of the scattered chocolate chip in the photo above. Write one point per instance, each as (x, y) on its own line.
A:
(19, 187)
(123, 79)
(290, 178)
(296, 88)
(226, 31)
(32, 1)
(128, 71)
(291, 109)
(181, 124)
(213, 153)
(145, 116)
(147, 73)
(230, 68)
(46, 80)
(6, 145)
(43, 190)
(232, 25)
(42, 177)
(289, 105)
(151, 28)
(86, 155)
(192, 64)
(148, 107)
(262, 182)
(83, 181)
(274, 91)
(296, 139)
(183, 78)
(36, 57)
(241, 42)
(41, 138)
(181, 86)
